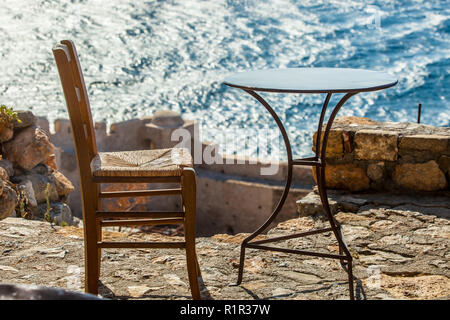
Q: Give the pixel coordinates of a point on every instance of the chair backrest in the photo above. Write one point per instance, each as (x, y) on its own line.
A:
(72, 80)
(79, 109)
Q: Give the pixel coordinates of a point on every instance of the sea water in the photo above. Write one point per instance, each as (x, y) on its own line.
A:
(143, 56)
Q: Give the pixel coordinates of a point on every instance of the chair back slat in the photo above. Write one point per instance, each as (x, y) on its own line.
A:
(82, 95)
(82, 105)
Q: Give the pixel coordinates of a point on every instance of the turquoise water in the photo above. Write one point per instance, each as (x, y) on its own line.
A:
(139, 57)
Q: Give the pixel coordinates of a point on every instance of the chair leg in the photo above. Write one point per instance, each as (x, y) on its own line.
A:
(91, 257)
(99, 250)
(91, 236)
(99, 231)
(199, 272)
(188, 187)
(350, 279)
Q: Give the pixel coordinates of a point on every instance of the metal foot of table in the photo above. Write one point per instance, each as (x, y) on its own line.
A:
(296, 81)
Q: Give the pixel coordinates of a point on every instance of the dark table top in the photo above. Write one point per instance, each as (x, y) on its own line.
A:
(312, 80)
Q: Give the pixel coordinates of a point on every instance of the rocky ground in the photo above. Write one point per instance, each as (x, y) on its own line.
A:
(399, 253)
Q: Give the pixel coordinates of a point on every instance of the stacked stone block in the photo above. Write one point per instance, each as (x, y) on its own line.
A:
(363, 154)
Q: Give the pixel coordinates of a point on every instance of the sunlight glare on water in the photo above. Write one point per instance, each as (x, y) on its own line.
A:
(139, 57)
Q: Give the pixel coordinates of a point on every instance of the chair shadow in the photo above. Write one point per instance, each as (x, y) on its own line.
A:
(106, 292)
(204, 292)
(359, 289)
(251, 293)
(359, 294)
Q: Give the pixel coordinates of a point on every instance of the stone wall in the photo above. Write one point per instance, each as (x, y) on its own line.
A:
(367, 155)
(232, 195)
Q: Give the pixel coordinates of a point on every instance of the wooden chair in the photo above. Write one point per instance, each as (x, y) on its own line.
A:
(143, 166)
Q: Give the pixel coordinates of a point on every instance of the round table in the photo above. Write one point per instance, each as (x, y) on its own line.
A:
(308, 80)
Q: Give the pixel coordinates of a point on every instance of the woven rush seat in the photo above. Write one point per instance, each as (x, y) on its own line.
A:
(148, 163)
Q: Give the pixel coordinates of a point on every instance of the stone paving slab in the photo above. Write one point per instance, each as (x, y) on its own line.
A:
(398, 254)
(438, 205)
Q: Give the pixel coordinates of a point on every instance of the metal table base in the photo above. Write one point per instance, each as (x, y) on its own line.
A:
(318, 161)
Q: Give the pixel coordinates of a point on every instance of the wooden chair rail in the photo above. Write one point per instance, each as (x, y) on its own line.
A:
(139, 214)
(139, 193)
(169, 179)
(142, 245)
(140, 222)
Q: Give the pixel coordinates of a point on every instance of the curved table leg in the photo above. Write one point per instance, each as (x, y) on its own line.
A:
(286, 188)
(320, 173)
(321, 185)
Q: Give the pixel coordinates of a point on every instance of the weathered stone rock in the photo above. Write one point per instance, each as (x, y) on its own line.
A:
(345, 176)
(167, 119)
(26, 186)
(311, 205)
(8, 268)
(174, 280)
(29, 147)
(63, 185)
(8, 166)
(62, 125)
(420, 176)
(63, 135)
(27, 118)
(444, 163)
(425, 205)
(40, 183)
(41, 169)
(139, 291)
(6, 133)
(335, 147)
(4, 174)
(51, 162)
(60, 213)
(416, 287)
(430, 143)
(376, 145)
(43, 123)
(354, 120)
(8, 201)
(281, 292)
(375, 171)
(125, 135)
(348, 141)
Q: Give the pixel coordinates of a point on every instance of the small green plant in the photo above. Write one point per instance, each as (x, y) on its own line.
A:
(7, 116)
(64, 224)
(23, 206)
